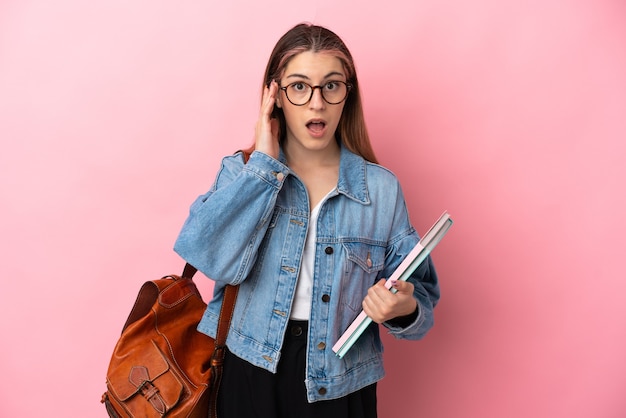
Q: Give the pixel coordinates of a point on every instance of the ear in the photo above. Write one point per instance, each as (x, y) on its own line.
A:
(278, 103)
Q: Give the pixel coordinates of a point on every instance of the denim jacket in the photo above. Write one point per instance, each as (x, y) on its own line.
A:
(250, 229)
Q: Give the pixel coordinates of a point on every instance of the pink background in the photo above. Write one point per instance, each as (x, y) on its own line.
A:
(510, 115)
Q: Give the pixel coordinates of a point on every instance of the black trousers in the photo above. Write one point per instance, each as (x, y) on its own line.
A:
(247, 391)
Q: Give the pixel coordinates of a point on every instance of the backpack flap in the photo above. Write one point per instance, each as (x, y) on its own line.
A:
(149, 385)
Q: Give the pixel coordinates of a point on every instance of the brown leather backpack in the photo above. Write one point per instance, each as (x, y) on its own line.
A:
(161, 365)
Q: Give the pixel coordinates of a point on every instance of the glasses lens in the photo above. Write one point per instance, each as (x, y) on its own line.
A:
(298, 93)
(334, 92)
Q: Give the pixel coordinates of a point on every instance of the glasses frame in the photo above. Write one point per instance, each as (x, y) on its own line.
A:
(348, 88)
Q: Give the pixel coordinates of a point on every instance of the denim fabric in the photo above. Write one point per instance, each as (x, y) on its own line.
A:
(250, 229)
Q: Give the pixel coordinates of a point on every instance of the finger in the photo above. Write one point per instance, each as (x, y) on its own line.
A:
(379, 291)
(372, 310)
(270, 98)
(267, 106)
(377, 296)
(375, 304)
(275, 126)
(266, 100)
(404, 287)
(373, 296)
(271, 86)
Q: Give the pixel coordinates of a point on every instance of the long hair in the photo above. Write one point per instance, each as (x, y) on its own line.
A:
(351, 131)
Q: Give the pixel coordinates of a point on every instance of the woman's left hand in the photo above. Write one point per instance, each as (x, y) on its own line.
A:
(381, 305)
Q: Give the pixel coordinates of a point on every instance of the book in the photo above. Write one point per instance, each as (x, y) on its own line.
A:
(415, 257)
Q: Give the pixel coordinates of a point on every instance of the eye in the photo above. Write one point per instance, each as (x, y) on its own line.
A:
(299, 87)
(331, 85)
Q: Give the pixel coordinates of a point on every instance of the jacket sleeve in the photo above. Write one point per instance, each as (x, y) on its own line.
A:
(424, 279)
(226, 225)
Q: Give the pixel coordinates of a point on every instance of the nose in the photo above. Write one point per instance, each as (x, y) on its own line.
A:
(317, 100)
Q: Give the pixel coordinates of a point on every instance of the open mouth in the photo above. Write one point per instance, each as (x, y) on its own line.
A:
(316, 126)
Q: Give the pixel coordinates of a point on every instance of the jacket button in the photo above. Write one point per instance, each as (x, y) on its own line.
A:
(321, 391)
(321, 346)
(328, 250)
(280, 176)
(326, 298)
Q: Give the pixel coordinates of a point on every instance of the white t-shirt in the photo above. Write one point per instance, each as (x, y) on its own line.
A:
(301, 308)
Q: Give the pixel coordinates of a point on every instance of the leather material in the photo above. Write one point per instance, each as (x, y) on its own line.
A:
(161, 365)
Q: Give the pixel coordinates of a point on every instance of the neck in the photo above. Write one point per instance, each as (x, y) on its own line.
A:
(308, 158)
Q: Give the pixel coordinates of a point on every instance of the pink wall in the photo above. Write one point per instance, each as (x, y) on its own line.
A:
(510, 115)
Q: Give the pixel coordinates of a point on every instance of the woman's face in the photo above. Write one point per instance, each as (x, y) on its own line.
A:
(313, 125)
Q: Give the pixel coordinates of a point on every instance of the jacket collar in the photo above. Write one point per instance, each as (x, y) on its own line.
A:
(352, 175)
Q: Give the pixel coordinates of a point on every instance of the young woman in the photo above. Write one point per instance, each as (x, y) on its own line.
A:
(309, 227)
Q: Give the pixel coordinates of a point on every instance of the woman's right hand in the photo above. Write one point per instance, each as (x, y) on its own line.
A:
(266, 126)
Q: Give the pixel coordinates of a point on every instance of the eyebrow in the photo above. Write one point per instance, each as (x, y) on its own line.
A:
(332, 73)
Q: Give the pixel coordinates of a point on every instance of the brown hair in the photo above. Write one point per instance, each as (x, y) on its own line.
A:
(351, 130)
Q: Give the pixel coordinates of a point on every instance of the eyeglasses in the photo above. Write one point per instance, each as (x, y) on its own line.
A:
(301, 93)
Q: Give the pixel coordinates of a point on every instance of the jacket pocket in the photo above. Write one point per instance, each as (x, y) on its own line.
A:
(363, 263)
(370, 258)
